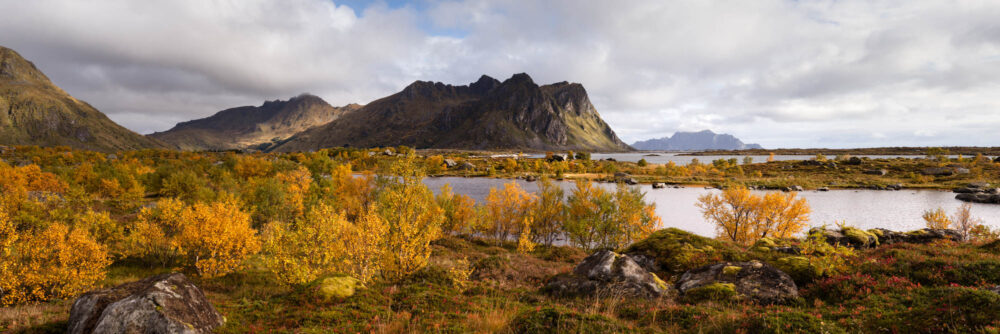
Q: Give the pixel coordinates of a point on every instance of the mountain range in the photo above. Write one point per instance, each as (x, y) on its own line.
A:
(486, 114)
(693, 141)
(34, 111)
(515, 114)
(250, 126)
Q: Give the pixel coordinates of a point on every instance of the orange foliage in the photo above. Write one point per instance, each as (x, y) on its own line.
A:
(744, 218)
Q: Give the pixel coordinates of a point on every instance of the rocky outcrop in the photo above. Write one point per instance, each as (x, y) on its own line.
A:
(167, 303)
(749, 281)
(862, 239)
(985, 198)
(608, 273)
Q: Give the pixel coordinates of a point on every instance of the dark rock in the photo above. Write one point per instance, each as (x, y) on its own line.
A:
(897, 186)
(979, 198)
(921, 236)
(967, 190)
(631, 181)
(792, 188)
(879, 172)
(610, 159)
(659, 185)
(853, 161)
(559, 157)
(167, 303)
(754, 281)
(530, 178)
(608, 273)
(811, 163)
(823, 189)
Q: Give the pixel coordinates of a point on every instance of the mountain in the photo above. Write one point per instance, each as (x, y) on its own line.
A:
(34, 111)
(487, 114)
(691, 141)
(249, 126)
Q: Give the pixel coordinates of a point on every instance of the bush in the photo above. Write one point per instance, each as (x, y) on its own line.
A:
(216, 238)
(58, 262)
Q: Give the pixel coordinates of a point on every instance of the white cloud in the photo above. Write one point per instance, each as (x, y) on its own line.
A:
(781, 73)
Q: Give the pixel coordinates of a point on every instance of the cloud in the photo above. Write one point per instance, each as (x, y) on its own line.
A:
(781, 73)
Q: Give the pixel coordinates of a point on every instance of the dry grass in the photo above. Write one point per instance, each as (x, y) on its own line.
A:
(19, 318)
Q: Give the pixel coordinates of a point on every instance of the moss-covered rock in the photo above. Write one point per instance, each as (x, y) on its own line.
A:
(860, 237)
(336, 287)
(754, 281)
(675, 251)
(713, 292)
(731, 270)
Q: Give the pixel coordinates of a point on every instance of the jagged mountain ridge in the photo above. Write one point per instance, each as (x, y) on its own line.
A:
(34, 111)
(689, 141)
(250, 126)
(487, 114)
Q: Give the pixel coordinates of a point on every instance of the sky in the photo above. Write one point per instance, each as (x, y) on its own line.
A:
(824, 73)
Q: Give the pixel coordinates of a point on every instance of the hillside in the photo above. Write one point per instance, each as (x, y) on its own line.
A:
(250, 126)
(37, 112)
(487, 114)
(689, 141)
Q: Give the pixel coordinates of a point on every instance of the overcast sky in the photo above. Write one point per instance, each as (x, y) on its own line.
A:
(846, 73)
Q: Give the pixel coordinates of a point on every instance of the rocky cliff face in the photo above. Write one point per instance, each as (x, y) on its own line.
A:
(691, 141)
(253, 127)
(34, 111)
(487, 114)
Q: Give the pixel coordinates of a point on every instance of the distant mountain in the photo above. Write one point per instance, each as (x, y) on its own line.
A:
(487, 114)
(249, 126)
(690, 141)
(34, 111)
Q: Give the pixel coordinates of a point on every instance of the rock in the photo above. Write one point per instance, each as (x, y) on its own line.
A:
(631, 181)
(967, 190)
(388, 152)
(467, 166)
(853, 161)
(811, 163)
(338, 287)
(792, 188)
(879, 172)
(607, 272)
(659, 185)
(847, 236)
(754, 281)
(167, 303)
(921, 236)
(986, 198)
(961, 170)
(897, 186)
(559, 157)
(979, 185)
(530, 178)
(995, 289)
(112, 156)
(937, 171)
(610, 159)
(823, 189)
(450, 163)
(620, 175)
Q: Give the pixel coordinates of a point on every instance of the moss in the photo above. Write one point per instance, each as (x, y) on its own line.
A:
(337, 287)
(714, 292)
(731, 270)
(768, 242)
(876, 232)
(859, 236)
(800, 268)
(677, 251)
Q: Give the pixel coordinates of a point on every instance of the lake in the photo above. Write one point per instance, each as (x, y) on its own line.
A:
(677, 158)
(894, 210)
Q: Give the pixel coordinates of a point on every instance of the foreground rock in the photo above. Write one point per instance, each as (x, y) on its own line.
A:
(608, 273)
(921, 236)
(754, 281)
(167, 303)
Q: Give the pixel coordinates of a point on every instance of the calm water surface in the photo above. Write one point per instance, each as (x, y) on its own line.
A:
(894, 210)
(662, 158)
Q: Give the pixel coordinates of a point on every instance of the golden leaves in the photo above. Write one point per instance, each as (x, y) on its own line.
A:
(744, 218)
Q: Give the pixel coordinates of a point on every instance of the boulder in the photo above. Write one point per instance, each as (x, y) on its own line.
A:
(167, 303)
(921, 236)
(530, 178)
(847, 236)
(987, 198)
(967, 190)
(467, 166)
(659, 185)
(961, 170)
(754, 281)
(792, 188)
(897, 186)
(853, 161)
(879, 172)
(606, 272)
(979, 185)
(450, 163)
(995, 289)
(823, 189)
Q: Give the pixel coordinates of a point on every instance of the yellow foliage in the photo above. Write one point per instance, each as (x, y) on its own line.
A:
(936, 218)
(549, 212)
(310, 248)
(744, 218)
(524, 243)
(458, 209)
(353, 194)
(504, 211)
(55, 263)
(414, 220)
(297, 183)
(435, 164)
(216, 237)
(251, 166)
(597, 219)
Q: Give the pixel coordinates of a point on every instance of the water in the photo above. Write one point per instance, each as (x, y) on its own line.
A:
(675, 157)
(894, 210)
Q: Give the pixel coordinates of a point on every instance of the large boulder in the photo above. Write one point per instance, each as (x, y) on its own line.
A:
(847, 236)
(978, 197)
(167, 303)
(742, 281)
(921, 236)
(608, 273)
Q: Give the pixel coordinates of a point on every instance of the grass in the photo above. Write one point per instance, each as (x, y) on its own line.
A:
(895, 288)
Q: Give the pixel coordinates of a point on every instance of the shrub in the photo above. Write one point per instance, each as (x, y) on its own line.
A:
(216, 238)
(936, 218)
(597, 219)
(744, 218)
(414, 220)
(504, 212)
(57, 262)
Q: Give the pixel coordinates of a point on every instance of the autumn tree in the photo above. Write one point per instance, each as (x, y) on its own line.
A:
(216, 237)
(434, 164)
(744, 218)
(549, 212)
(599, 219)
(413, 217)
(459, 211)
(936, 218)
(58, 262)
(504, 211)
